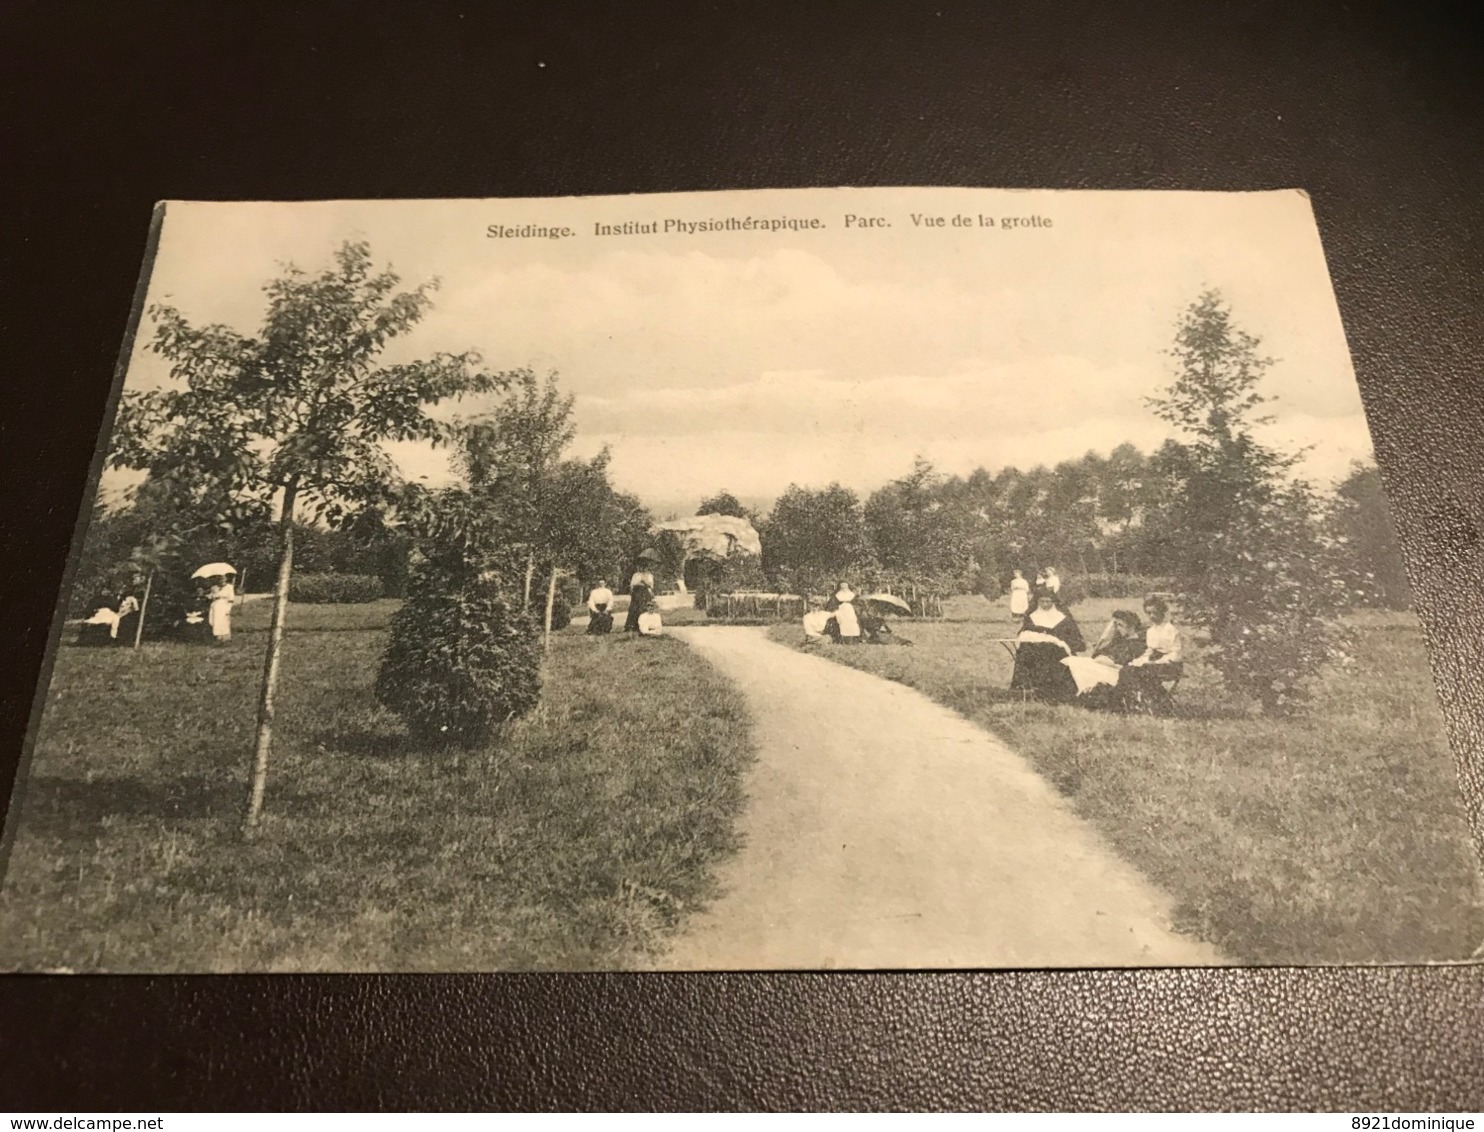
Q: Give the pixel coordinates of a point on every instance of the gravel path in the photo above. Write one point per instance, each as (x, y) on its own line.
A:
(883, 830)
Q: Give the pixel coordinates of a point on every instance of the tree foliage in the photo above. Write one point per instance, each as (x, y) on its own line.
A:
(815, 537)
(1257, 575)
(917, 534)
(297, 415)
(304, 406)
(542, 509)
(459, 663)
(1367, 547)
(724, 503)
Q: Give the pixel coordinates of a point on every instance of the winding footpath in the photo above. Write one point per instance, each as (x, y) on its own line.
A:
(883, 830)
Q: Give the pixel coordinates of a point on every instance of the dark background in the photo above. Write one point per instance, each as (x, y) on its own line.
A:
(1374, 109)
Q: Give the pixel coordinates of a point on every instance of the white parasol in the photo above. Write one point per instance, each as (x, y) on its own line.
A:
(215, 570)
(889, 600)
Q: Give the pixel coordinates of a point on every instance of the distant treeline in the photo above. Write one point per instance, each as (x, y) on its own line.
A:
(1105, 521)
(1096, 519)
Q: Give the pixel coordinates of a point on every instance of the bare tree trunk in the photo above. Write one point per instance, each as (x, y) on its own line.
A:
(264, 741)
(530, 574)
(550, 601)
(143, 608)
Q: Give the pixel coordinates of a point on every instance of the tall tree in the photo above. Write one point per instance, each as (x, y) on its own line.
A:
(1371, 555)
(552, 514)
(298, 413)
(1257, 576)
(724, 503)
(915, 535)
(1121, 504)
(507, 457)
(815, 537)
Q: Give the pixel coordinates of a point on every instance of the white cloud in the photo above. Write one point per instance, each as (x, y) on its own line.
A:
(749, 362)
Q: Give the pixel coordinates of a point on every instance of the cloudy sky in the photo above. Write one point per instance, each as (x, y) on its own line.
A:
(751, 360)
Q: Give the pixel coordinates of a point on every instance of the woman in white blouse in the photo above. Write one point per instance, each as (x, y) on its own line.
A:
(1146, 677)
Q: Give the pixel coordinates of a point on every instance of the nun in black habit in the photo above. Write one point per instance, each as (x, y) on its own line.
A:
(1047, 636)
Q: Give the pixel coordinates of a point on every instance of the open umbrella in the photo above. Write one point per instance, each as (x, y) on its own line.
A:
(214, 570)
(890, 601)
(649, 556)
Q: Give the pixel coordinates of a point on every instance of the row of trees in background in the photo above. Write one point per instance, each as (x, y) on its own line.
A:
(1262, 564)
(1143, 516)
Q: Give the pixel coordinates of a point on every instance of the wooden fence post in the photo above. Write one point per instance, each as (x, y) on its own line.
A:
(143, 605)
(550, 601)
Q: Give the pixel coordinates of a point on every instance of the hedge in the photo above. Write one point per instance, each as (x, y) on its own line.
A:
(334, 589)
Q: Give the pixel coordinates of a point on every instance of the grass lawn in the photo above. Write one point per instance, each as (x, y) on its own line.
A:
(1338, 837)
(579, 841)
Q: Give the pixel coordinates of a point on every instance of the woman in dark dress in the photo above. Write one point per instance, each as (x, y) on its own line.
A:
(1047, 635)
(1098, 676)
(641, 593)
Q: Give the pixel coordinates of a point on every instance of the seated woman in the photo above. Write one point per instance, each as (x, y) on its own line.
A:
(847, 626)
(1146, 679)
(876, 630)
(1097, 675)
(1046, 638)
(102, 628)
(600, 619)
(650, 624)
(817, 623)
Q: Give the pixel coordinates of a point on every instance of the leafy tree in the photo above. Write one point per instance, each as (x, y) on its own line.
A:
(1257, 576)
(1370, 554)
(724, 503)
(507, 458)
(297, 415)
(670, 565)
(554, 515)
(104, 572)
(1122, 502)
(813, 538)
(916, 536)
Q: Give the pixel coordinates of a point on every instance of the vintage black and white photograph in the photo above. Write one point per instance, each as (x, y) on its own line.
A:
(798, 579)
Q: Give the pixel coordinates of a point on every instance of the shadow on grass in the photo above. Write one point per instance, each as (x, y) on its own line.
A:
(61, 806)
(368, 742)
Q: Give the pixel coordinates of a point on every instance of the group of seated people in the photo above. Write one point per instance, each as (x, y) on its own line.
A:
(644, 612)
(841, 623)
(112, 622)
(1131, 666)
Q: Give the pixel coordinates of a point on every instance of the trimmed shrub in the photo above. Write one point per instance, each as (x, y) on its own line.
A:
(334, 589)
(561, 613)
(459, 665)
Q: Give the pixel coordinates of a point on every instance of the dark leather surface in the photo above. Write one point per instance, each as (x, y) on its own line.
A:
(1374, 110)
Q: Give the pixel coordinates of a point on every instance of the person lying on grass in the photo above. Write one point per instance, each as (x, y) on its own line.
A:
(107, 625)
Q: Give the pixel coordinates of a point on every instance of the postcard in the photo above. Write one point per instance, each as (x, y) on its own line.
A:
(801, 579)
